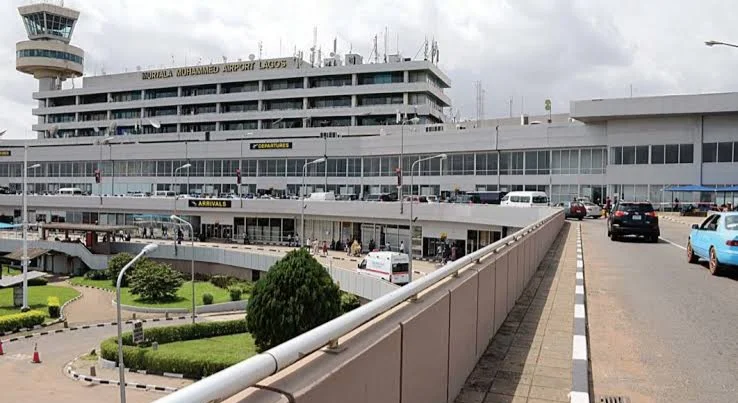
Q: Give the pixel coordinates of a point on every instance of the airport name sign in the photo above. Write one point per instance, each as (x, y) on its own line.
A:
(215, 69)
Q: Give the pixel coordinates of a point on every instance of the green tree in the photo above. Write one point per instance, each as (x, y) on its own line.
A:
(116, 264)
(154, 281)
(296, 295)
(349, 302)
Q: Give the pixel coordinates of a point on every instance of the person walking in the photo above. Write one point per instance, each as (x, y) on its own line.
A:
(402, 246)
(325, 248)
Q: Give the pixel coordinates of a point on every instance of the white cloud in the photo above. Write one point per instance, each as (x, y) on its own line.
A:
(536, 49)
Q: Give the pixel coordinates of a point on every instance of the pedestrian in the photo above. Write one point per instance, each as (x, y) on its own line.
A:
(402, 246)
(372, 245)
(388, 247)
(325, 248)
(454, 251)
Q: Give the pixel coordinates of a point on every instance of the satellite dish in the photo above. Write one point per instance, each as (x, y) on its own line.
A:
(155, 123)
(96, 129)
(252, 57)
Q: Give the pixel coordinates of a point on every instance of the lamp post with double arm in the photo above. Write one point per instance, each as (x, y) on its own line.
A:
(302, 199)
(192, 258)
(412, 170)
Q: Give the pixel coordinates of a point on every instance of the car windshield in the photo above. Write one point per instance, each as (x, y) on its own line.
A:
(731, 222)
(635, 207)
(540, 199)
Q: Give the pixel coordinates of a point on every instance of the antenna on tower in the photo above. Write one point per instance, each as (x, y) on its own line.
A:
(260, 48)
(374, 50)
(386, 30)
(335, 45)
(425, 50)
(479, 101)
(314, 47)
(320, 56)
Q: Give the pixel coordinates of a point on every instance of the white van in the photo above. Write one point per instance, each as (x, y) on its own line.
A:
(525, 199)
(70, 192)
(165, 193)
(391, 266)
(322, 196)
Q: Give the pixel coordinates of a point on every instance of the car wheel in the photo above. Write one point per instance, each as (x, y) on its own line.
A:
(653, 239)
(714, 264)
(581, 218)
(691, 257)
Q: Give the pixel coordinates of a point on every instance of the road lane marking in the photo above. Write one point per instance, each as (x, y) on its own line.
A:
(579, 345)
(580, 276)
(579, 311)
(673, 243)
(579, 290)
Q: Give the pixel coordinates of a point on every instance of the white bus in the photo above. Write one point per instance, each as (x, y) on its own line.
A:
(525, 199)
(390, 266)
(70, 192)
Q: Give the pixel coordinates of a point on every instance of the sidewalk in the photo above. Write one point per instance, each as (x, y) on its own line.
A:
(530, 358)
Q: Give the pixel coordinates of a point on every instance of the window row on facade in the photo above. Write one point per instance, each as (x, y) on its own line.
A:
(720, 152)
(542, 162)
(652, 154)
(395, 77)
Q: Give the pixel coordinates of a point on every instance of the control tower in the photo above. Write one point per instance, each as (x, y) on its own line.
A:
(47, 54)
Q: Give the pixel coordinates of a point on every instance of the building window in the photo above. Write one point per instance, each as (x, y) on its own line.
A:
(380, 99)
(686, 153)
(161, 93)
(239, 107)
(282, 104)
(565, 162)
(239, 87)
(286, 84)
(239, 125)
(486, 163)
(657, 154)
(330, 81)
(724, 152)
(672, 154)
(50, 54)
(199, 90)
(381, 78)
(330, 102)
(641, 155)
(127, 114)
(125, 96)
(198, 109)
(709, 152)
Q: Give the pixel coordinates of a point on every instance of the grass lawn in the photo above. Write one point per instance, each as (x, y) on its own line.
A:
(7, 271)
(36, 298)
(183, 295)
(233, 348)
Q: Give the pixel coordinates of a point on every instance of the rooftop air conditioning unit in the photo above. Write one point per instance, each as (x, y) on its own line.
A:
(394, 58)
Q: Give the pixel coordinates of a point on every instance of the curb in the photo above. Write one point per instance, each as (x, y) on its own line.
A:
(580, 351)
(96, 325)
(91, 379)
(44, 325)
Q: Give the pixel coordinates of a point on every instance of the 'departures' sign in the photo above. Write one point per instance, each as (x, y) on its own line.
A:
(277, 145)
(209, 203)
(5, 153)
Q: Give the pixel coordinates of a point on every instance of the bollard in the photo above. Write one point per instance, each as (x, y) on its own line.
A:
(166, 315)
(93, 371)
(66, 325)
(134, 315)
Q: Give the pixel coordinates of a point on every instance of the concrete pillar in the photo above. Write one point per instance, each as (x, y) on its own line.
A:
(305, 82)
(354, 79)
(406, 76)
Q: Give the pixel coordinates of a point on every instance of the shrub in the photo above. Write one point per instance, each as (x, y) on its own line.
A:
(154, 281)
(235, 293)
(296, 295)
(21, 320)
(207, 298)
(54, 308)
(97, 275)
(349, 302)
(221, 281)
(116, 264)
(202, 277)
(137, 358)
(38, 281)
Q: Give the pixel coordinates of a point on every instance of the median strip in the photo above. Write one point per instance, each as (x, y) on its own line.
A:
(580, 350)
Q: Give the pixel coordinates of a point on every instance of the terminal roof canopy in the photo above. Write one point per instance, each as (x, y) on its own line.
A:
(700, 188)
(33, 253)
(63, 226)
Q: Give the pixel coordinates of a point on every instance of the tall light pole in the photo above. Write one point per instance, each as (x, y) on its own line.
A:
(121, 366)
(101, 143)
(192, 260)
(403, 122)
(412, 171)
(24, 258)
(302, 199)
(174, 173)
(718, 43)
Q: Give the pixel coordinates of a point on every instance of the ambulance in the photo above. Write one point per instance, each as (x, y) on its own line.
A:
(390, 266)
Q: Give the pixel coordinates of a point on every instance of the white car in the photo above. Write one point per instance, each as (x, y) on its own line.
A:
(593, 210)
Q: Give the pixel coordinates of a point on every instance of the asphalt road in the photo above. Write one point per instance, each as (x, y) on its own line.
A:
(46, 382)
(661, 329)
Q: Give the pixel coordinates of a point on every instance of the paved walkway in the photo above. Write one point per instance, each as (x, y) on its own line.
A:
(95, 306)
(530, 358)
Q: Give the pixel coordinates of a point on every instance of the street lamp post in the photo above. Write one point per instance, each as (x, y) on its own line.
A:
(412, 170)
(101, 143)
(174, 173)
(192, 260)
(403, 122)
(718, 43)
(121, 366)
(302, 199)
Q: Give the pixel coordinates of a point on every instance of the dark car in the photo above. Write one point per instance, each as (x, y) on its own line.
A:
(633, 218)
(573, 210)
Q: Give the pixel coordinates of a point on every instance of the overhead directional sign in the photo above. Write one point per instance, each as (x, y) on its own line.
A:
(209, 203)
(276, 145)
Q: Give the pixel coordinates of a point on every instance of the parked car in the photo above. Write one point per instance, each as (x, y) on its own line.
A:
(716, 240)
(593, 210)
(573, 210)
(633, 218)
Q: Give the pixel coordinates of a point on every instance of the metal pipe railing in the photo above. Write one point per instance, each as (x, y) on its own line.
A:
(249, 372)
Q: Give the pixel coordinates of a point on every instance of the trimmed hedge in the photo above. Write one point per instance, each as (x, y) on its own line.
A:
(97, 275)
(21, 320)
(235, 293)
(142, 358)
(221, 281)
(54, 308)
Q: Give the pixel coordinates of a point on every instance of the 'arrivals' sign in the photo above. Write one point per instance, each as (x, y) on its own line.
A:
(209, 203)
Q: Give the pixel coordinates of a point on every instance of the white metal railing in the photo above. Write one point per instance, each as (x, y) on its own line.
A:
(238, 377)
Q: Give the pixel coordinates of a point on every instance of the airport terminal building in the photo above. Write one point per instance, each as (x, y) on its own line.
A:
(250, 126)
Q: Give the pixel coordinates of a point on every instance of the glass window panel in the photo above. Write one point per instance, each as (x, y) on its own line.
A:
(468, 164)
(505, 163)
(617, 155)
(657, 154)
(725, 152)
(531, 162)
(709, 152)
(628, 155)
(641, 155)
(686, 153)
(672, 154)
(586, 156)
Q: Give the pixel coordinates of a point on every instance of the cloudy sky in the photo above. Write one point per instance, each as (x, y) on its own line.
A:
(521, 49)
